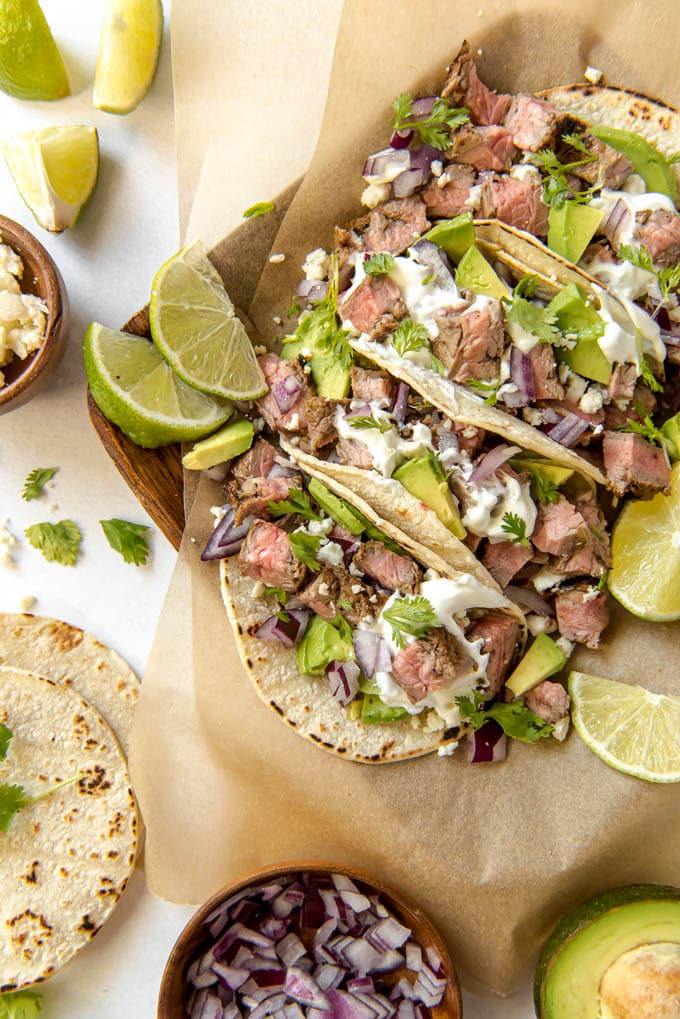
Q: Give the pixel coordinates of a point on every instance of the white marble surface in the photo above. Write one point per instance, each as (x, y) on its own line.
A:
(108, 260)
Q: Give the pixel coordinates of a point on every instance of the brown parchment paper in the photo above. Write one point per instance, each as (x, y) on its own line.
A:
(495, 854)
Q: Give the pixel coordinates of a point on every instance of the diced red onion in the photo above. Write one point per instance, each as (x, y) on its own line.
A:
(286, 631)
(401, 139)
(208, 1006)
(349, 547)
(230, 976)
(270, 1007)
(287, 391)
(376, 165)
(290, 899)
(616, 223)
(304, 989)
(329, 976)
(400, 404)
(226, 540)
(205, 979)
(312, 290)
(363, 984)
(528, 599)
(489, 743)
(435, 258)
(343, 678)
(372, 653)
(414, 956)
(569, 430)
(447, 440)
(290, 949)
(218, 472)
(423, 107)
(488, 464)
(522, 373)
(406, 1010)
(363, 410)
(405, 184)
(423, 157)
(388, 933)
(382, 1008)
(350, 894)
(346, 1006)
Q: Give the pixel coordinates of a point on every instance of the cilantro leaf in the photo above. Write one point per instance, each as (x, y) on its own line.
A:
(644, 427)
(432, 128)
(409, 335)
(368, 421)
(259, 209)
(543, 488)
(602, 582)
(532, 318)
(488, 389)
(59, 543)
(305, 548)
(648, 376)
(298, 501)
(379, 265)
(6, 736)
(293, 308)
(515, 719)
(556, 187)
(36, 481)
(345, 605)
(514, 524)
(13, 798)
(526, 285)
(128, 539)
(20, 1005)
(638, 255)
(318, 329)
(576, 142)
(414, 616)
(437, 366)
(276, 592)
(669, 280)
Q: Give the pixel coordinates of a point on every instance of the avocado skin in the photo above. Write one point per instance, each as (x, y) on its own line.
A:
(583, 916)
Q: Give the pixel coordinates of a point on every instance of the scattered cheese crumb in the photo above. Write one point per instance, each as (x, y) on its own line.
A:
(591, 401)
(437, 167)
(480, 52)
(374, 194)
(448, 750)
(277, 319)
(356, 589)
(258, 589)
(314, 266)
(320, 526)
(277, 258)
(27, 602)
(23, 317)
(561, 728)
(532, 416)
(565, 646)
(593, 75)
(193, 540)
(260, 349)
(7, 543)
(324, 589)
(590, 594)
(218, 512)
(331, 554)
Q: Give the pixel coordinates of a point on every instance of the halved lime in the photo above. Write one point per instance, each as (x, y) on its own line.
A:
(136, 389)
(30, 62)
(630, 728)
(129, 47)
(194, 326)
(645, 573)
(55, 171)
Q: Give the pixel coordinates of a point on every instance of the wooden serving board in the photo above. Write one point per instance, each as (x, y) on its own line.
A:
(154, 475)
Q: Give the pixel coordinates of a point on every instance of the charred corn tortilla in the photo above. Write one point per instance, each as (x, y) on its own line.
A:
(76, 659)
(66, 859)
(304, 702)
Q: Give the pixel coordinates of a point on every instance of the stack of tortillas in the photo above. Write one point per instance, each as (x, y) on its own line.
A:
(68, 701)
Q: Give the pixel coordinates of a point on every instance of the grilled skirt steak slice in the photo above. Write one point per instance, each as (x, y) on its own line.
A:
(266, 555)
(499, 634)
(390, 570)
(428, 664)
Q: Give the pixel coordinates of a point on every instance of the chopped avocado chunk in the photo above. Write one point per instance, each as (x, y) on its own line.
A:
(671, 433)
(543, 659)
(331, 378)
(336, 508)
(230, 441)
(423, 478)
(595, 935)
(558, 475)
(353, 710)
(652, 165)
(575, 317)
(374, 711)
(322, 643)
(291, 350)
(571, 229)
(455, 236)
(477, 275)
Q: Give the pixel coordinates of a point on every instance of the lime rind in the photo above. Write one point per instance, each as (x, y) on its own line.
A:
(31, 66)
(129, 52)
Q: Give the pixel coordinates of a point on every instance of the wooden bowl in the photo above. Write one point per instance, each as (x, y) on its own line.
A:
(23, 379)
(196, 938)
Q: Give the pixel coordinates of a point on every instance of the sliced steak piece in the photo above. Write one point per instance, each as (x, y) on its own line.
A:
(463, 87)
(374, 297)
(251, 497)
(266, 555)
(532, 122)
(395, 225)
(361, 598)
(427, 664)
(391, 570)
(499, 634)
(633, 464)
(560, 529)
(321, 593)
(321, 429)
(347, 241)
(471, 341)
(388, 322)
(256, 463)
(504, 559)
(546, 382)
(276, 371)
(516, 202)
(468, 437)
(448, 200)
(616, 167)
(598, 540)
(354, 453)
(485, 148)
(550, 701)
(615, 418)
(369, 384)
(622, 382)
(582, 617)
(659, 231)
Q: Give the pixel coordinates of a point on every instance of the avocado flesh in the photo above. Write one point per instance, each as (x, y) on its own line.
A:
(321, 645)
(330, 377)
(232, 440)
(374, 711)
(671, 432)
(543, 659)
(571, 229)
(568, 977)
(558, 475)
(455, 235)
(419, 477)
(575, 316)
(476, 274)
(291, 350)
(652, 165)
(335, 507)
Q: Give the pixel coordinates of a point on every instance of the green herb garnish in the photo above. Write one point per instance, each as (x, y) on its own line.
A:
(297, 501)
(6, 736)
(259, 209)
(644, 427)
(318, 330)
(556, 187)
(437, 366)
(515, 719)
(532, 318)
(276, 592)
(368, 421)
(294, 308)
(409, 335)
(36, 481)
(434, 129)
(515, 525)
(379, 265)
(128, 539)
(13, 798)
(414, 616)
(59, 543)
(487, 389)
(638, 255)
(305, 548)
(648, 376)
(602, 582)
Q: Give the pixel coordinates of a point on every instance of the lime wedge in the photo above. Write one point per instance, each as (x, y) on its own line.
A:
(55, 171)
(136, 389)
(194, 326)
(129, 47)
(30, 62)
(645, 573)
(630, 728)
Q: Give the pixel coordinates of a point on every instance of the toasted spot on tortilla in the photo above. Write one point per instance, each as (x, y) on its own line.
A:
(66, 637)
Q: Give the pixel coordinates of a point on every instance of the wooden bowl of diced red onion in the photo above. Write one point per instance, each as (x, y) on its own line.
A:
(309, 941)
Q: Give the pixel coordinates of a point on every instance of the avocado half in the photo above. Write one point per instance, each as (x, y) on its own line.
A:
(586, 942)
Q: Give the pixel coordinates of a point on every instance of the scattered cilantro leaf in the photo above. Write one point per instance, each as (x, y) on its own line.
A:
(437, 366)
(576, 142)
(305, 548)
(20, 1005)
(283, 616)
(414, 616)
(36, 481)
(127, 539)
(345, 605)
(6, 736)
(646, 428)
(429, 279)
(368, 421)
(13, 798)
(58, 543)
(259, 209)
(533, 318)
(556, 187)
(432, 129)
(638, 255)
(409, 335)
(318, 329)
(487, 389)
(648, 376)
(543, 488)
(515, 719)
(298, 501)
(526, 285)
(276, 592)
(379, 265)
(515, 525)
(669, 280)
(294, 308)
(602, 582)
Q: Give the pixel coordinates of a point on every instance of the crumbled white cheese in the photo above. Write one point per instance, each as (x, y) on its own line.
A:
(532, 416)
(258, 589)
(260, 349)
(480, 52)
(277, 319)
(565, 646)
(576, 388)
(354, 570)
(258, 424)
(7, 543)
(23, 317)
(373, 598)
(374, 194)
(592, 400)
(546, 578)
(294, 421)
(356, 589)
(331, 554)
(218, 512)
(436, 166)
(435, 723)
(563, 372)
(540, 624)
(277, 258)
(593, 75)
(324, 589)
(474, 199)
(314, 266)
(560, 729)
(27, 602)
(320, 526)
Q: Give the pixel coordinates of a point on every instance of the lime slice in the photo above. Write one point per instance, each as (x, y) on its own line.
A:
(55, 171)
(136, 389)
(194, 326)
(30, 62)
(630, 728)
(129, 47)
(645, 575)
